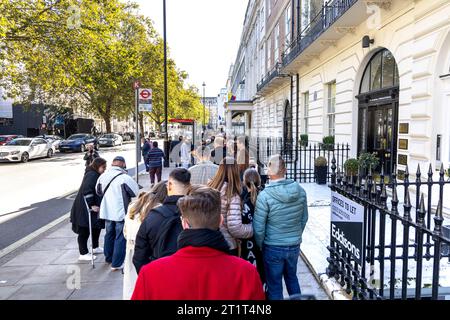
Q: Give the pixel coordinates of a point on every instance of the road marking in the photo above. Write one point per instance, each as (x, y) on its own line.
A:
(32, 236)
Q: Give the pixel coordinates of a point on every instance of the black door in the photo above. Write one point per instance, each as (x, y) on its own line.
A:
(381, 137)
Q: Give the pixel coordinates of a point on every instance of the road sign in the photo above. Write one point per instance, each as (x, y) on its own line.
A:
(145, 100)
(136, 85)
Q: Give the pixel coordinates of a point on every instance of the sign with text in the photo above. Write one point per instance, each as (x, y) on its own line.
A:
(145, 100)
(347, 223)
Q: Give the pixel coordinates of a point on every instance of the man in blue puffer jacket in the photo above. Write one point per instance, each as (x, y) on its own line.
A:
(280, 217)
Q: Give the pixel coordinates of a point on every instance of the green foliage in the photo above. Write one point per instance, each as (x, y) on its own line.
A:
(368, 160)
(320, 162)
(304, 139)
(328, 143)
(351, 167)
(86, 55)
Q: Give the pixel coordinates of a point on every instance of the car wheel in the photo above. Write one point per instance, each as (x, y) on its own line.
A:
(50, 153)
(25, 157)
(83, 148)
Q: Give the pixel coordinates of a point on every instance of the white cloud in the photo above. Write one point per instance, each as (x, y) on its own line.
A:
(203, 36)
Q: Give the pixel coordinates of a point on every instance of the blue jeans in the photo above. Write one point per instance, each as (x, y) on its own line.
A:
(281, 262)
(115, 243)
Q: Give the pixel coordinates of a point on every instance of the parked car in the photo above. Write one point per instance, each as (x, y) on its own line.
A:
(54, 140)
(78, 142)
(24, 149)
(110, 140)
(7, 138)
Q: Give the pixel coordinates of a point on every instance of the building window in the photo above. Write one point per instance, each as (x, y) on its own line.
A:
(287, 28)
(263, 20)
(269, 8)
(305, 112)
(331, 108)
(276, 53)
(269, 53)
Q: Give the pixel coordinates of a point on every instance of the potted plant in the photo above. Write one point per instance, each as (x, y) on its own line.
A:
(328, 143)
(320, 170)
(304, 139)
(351, 167)
(368, 160)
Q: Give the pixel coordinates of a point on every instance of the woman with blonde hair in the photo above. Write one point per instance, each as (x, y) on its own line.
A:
(228, 182)
(137, 213)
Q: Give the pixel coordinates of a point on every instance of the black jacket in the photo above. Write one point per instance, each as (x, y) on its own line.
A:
(79, 214)
(89, 158)
(148, 232)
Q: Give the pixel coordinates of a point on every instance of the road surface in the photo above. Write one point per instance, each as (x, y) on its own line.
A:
(36, 193)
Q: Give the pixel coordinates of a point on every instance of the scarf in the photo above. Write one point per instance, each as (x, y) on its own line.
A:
(203, 238)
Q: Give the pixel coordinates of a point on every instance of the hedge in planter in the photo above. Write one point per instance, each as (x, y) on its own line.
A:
(328, 143)
(351, 167)
(304, 139)
(321, 170)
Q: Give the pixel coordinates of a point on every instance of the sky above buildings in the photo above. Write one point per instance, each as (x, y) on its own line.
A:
(203, 36)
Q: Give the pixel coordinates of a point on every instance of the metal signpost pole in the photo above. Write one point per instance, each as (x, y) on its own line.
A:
(138, 145)
(166, 121)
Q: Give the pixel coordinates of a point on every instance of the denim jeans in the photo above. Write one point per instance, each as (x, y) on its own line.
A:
(115, 243)
(281, 262)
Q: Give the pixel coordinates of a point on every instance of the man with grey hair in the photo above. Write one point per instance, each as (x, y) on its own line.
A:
(280, 217)
(205, 169)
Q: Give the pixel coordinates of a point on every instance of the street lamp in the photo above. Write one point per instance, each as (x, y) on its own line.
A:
(204, 107)
(166, 135)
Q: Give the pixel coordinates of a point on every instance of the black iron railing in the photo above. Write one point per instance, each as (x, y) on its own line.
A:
(272, 74)
(404, 256)
(329, 14)
(299, 158)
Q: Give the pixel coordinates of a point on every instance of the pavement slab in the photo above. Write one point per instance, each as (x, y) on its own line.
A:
(42, 292)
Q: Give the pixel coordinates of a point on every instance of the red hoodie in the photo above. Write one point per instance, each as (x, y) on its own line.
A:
(195, 273)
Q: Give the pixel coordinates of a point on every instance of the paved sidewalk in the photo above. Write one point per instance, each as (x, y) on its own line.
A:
(48, 268)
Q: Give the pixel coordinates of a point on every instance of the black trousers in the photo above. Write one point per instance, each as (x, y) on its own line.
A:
(83, 237)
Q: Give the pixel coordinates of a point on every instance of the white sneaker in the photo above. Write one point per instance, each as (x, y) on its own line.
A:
(117, 269)
(86, 257)
(98, 250)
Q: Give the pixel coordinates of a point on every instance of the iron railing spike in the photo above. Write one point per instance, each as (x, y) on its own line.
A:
(407, 171)
(407, 199)
(439, 213)
(430, 170)
(394, 195)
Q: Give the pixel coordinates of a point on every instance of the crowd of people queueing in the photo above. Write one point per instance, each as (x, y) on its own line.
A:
(212, 231)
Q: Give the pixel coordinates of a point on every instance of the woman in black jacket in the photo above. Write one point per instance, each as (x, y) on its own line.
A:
(249, 249)
(79, 215)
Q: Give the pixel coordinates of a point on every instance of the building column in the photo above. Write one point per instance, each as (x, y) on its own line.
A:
(229, 120)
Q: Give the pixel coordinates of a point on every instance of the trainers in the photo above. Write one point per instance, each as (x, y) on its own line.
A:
(86, 257)
(98, 250)
(117, 269)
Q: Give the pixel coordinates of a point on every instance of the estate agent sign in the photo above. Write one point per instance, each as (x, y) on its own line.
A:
(347, 222)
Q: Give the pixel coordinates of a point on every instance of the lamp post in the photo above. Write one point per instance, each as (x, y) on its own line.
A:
(166, 135)
(204, 109)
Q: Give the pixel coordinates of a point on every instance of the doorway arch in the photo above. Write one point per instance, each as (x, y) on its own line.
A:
(378, 110)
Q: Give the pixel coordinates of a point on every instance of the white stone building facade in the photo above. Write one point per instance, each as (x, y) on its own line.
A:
(315, 60)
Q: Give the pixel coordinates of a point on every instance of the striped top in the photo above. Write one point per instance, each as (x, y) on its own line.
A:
(154, 158)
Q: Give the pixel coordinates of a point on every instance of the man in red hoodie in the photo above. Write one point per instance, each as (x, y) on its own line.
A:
(202, 268)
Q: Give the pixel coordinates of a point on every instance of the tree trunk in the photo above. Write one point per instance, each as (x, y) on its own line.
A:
(106, 115)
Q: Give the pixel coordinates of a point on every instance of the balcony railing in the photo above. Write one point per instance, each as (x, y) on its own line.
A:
(329, 14)
(272, 74)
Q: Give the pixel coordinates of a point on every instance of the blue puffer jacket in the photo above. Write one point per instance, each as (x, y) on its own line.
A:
(281, 214)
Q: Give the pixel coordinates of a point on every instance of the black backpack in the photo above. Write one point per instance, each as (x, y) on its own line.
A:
(166, 239)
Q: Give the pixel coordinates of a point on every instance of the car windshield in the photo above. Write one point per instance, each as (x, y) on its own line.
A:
(19, 142)
(108, 136)
(77, 136)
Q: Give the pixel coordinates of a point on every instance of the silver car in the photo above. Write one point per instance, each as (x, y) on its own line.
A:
(24, 149)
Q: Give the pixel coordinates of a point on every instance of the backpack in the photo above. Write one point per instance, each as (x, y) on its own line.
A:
(166, 239)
